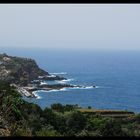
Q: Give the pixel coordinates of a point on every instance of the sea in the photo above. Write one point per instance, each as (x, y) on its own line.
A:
(116, 75)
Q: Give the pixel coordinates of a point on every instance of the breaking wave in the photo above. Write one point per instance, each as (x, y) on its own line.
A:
(64, 89)
(55, 90)
(43, 83)
(36, 94)
(64, 81)
(58, 73)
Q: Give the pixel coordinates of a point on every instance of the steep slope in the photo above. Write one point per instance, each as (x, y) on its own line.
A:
(19, 70)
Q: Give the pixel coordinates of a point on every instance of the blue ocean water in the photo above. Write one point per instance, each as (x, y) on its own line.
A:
(115, 73)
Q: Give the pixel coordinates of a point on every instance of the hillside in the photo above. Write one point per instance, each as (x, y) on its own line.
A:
(19, 70)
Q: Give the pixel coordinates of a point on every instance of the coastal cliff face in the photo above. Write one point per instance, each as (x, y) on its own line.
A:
(19, 70)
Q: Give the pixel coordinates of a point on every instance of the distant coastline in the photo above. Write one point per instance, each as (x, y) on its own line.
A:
(25, 75)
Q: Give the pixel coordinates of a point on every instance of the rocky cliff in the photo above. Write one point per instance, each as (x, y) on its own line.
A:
(19, 70)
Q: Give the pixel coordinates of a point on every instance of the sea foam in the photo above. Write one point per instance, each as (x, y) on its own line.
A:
(64, 81)
(58, 73)
(36, 94)
(43, 83)
(62, 89)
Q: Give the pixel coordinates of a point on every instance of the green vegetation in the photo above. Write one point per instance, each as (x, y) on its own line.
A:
(22, 71)
(19, 70)
(20, 118)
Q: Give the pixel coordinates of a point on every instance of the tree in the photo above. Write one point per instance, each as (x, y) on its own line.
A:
(57, 107)
(48, 115)
(111, 127)
(75, 122)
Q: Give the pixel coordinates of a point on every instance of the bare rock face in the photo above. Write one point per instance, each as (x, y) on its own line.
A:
(19, 70)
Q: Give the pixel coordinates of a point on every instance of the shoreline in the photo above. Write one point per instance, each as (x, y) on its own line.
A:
(31, 92)
(36, 95)
(23, 91)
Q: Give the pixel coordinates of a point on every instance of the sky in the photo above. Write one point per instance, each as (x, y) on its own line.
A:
(70, 26)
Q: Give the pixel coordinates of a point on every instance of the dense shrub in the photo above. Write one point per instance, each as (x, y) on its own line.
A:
(28, 119)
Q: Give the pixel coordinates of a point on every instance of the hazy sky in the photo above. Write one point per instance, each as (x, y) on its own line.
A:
(102, 26)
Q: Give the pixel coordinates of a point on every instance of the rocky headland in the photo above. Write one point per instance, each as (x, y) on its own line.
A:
(26, 76)
(23, 72)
